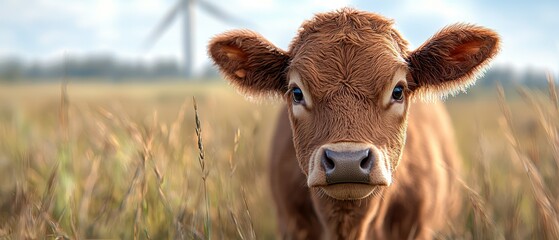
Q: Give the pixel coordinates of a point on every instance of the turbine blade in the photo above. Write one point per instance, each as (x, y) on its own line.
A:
(222, 15)
(164, 24)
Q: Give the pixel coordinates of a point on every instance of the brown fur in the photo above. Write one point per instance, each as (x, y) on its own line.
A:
(346, 61)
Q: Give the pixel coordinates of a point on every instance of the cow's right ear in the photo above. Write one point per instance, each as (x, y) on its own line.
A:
(250, 62)
(452, 59)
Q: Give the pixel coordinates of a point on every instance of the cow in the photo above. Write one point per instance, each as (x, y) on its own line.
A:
(363, 148)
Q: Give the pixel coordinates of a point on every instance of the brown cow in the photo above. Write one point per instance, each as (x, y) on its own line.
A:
(371, 162)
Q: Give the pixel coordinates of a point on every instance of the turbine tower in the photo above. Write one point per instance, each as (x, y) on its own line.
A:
(186, 8)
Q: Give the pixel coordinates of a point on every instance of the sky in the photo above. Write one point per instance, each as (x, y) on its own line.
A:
(46, 29)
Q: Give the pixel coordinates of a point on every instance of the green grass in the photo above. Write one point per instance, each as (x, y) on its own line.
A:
(124, 161)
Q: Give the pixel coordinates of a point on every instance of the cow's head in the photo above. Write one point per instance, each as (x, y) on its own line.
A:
(348, 79)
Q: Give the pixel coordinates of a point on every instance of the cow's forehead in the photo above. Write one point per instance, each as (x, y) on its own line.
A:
(347, 48)
(364, 68)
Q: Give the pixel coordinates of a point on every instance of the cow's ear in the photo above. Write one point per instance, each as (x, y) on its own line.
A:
(250, 62)
(451, 60)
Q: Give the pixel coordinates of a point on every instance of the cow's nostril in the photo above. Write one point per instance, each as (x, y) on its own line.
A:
(329, 164)
(367, 162)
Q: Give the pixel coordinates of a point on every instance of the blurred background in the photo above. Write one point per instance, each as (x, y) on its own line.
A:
(149, 39)
(99, 137)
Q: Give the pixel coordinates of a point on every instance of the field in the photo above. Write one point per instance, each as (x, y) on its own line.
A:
(124, 161)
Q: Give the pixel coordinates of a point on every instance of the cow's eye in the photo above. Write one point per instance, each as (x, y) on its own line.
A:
(398, 93)
(297, 94)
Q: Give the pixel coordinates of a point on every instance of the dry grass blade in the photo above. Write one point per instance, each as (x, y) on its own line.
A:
(88, 190)
(128, 194)
(148, 155)
(48, 195)
(478, 204)
(201, 153)
(512, 226)
(552, 91)
(201, 160)
(179, 226)
(252, 232)
(57, 231)
(160, 180)
(236, 139)
(73, 227)
(236, 224)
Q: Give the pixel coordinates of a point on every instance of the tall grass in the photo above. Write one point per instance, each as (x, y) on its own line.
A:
(135, 162)
(511, 186)
(201, 160)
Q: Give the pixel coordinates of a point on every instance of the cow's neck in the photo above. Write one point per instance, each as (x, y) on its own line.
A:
(346, 219)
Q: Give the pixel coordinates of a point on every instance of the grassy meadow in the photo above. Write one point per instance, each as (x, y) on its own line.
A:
(136, 161)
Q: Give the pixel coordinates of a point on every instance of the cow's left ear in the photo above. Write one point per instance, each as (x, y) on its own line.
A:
(250, 62)
(452, 59)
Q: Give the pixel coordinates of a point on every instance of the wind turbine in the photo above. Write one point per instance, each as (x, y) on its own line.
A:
(185, 7)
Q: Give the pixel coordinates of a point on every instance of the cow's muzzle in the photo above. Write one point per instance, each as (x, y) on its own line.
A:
(349, 170)
(347, 166)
